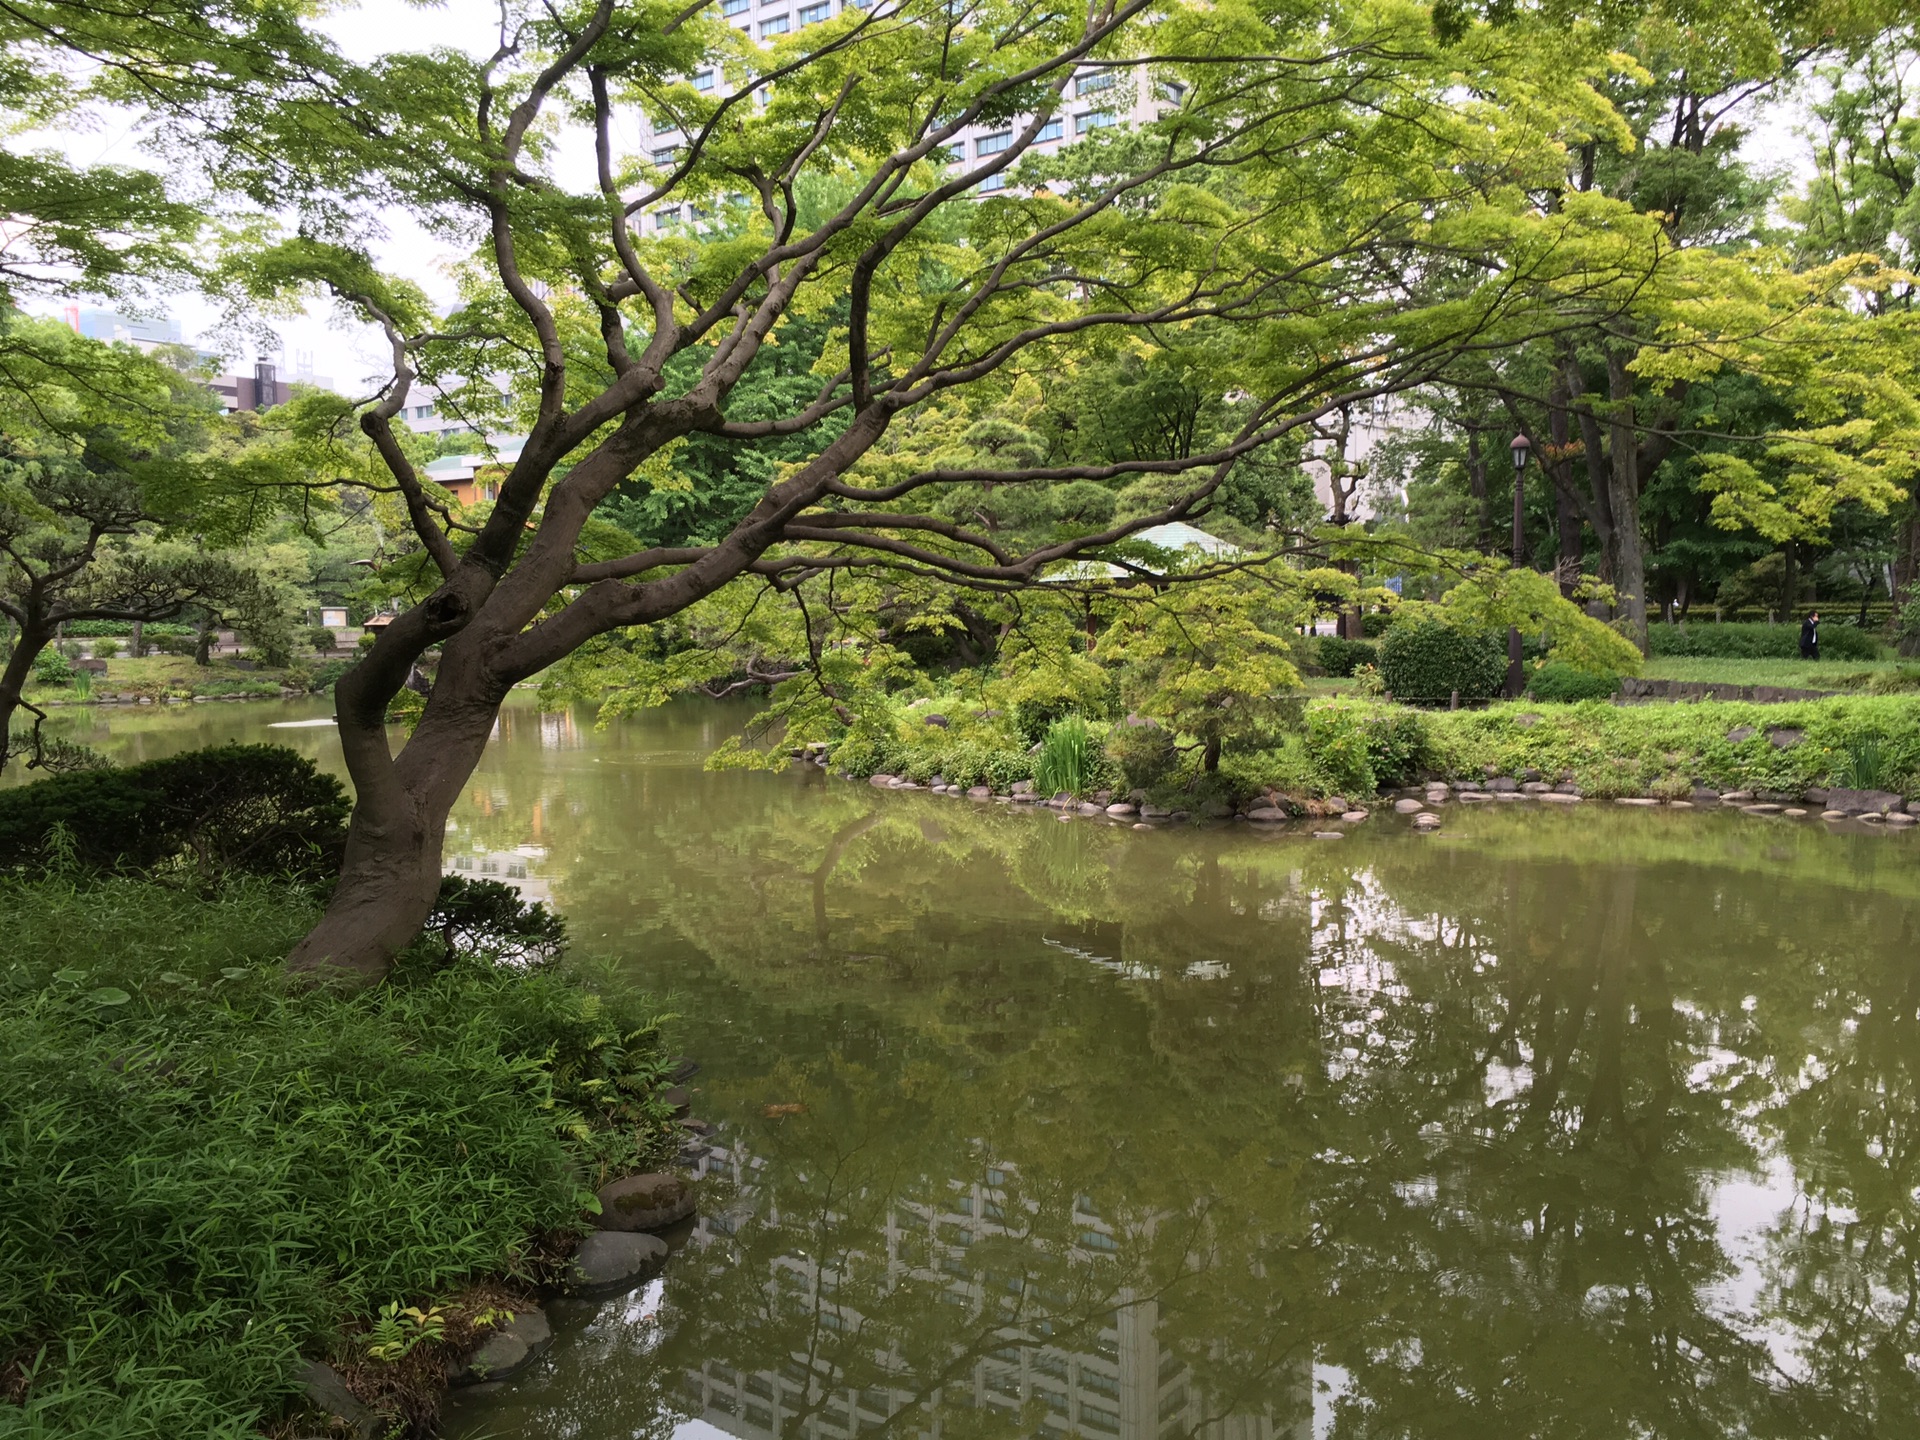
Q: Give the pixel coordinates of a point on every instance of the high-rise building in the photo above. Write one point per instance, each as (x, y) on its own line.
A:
(1116, 1382)
(1097, 98)
(144, 332)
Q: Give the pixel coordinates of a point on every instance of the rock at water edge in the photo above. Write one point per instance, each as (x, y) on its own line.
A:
(327, 1391)
(508, 1351)
(644, 1202)
(612, 1262)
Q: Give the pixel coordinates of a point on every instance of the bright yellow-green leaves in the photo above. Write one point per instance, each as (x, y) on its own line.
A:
(1850, 374)
(1494, 598)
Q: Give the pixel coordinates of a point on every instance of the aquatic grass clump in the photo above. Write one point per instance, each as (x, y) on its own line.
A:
(208, 1171)
(1065, 760)
(1868, 764)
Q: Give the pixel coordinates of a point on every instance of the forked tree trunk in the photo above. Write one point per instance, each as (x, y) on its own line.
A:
(391, 873)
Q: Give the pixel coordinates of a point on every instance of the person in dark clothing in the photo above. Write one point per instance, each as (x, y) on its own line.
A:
(1810, 637)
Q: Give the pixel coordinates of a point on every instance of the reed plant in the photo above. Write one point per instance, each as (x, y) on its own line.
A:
(1066, 757)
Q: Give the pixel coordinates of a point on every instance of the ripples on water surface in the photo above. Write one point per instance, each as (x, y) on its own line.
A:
(1553, 1125)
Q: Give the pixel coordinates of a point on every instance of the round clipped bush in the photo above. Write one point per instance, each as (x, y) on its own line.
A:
(1426, 662)
(1144, 751)
(1554, 681)
(233, 809)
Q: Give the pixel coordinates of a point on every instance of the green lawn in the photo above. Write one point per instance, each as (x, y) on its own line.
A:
(1803, 674)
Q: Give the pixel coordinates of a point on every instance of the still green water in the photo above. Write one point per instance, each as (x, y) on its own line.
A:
(1588, 1124)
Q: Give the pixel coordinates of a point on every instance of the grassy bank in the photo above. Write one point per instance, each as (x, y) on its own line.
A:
(176, 677)
(209, 1174)
(1868, 742)
(1344, 746)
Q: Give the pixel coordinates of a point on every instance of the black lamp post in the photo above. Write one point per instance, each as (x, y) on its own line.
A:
(1520, 448)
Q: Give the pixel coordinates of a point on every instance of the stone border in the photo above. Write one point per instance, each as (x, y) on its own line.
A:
(1875, 807)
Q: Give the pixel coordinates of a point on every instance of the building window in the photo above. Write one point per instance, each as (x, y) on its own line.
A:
(703, 80)
(1092, 120)
(1088, 84)
(1172, 91)
(666, 156)
(994, 182)
(958, 150)
(993, 144)
(776, 26)
(735, 7)
(814, 14)
(1052, 130)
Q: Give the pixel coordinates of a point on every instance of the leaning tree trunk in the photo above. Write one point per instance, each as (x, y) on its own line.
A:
(31, 640)
(390, 876)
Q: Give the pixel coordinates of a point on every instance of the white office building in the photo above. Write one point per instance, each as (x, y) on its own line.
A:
(1096, 98)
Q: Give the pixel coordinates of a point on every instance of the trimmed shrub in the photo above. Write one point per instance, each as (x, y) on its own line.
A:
(322, 639)
(254, 809)
(1566, 685)
(1760, 642)
(50, 667)
(326, 673)
(1424, 663)
(1359, 749)
(490, 916)
(1144, 752)
(91, 628)
(1396, 746)
(1341, 657)
(1375, 623)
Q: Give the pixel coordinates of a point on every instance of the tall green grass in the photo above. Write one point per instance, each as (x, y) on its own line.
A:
(206, 1171)
(1066, 757)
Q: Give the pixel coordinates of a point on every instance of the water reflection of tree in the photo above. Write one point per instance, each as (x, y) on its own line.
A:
(1451, 1124)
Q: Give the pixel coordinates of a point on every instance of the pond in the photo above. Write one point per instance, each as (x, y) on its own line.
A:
(1592, 1123)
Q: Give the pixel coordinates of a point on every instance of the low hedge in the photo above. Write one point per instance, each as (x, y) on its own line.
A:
(1342, 657)
(1566, 685)
(1426, 663)
(255, 809)
(1838, 641)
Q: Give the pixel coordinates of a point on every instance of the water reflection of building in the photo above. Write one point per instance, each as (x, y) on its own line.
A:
(1115, 1383)
(517, 867)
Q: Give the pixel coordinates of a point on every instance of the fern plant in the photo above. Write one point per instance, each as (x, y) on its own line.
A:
(397, 1332)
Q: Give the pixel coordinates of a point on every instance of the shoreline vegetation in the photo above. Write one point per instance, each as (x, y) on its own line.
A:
(241, 1205)
(1862, 753)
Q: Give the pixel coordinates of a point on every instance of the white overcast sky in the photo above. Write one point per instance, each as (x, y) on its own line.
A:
(351, 356)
